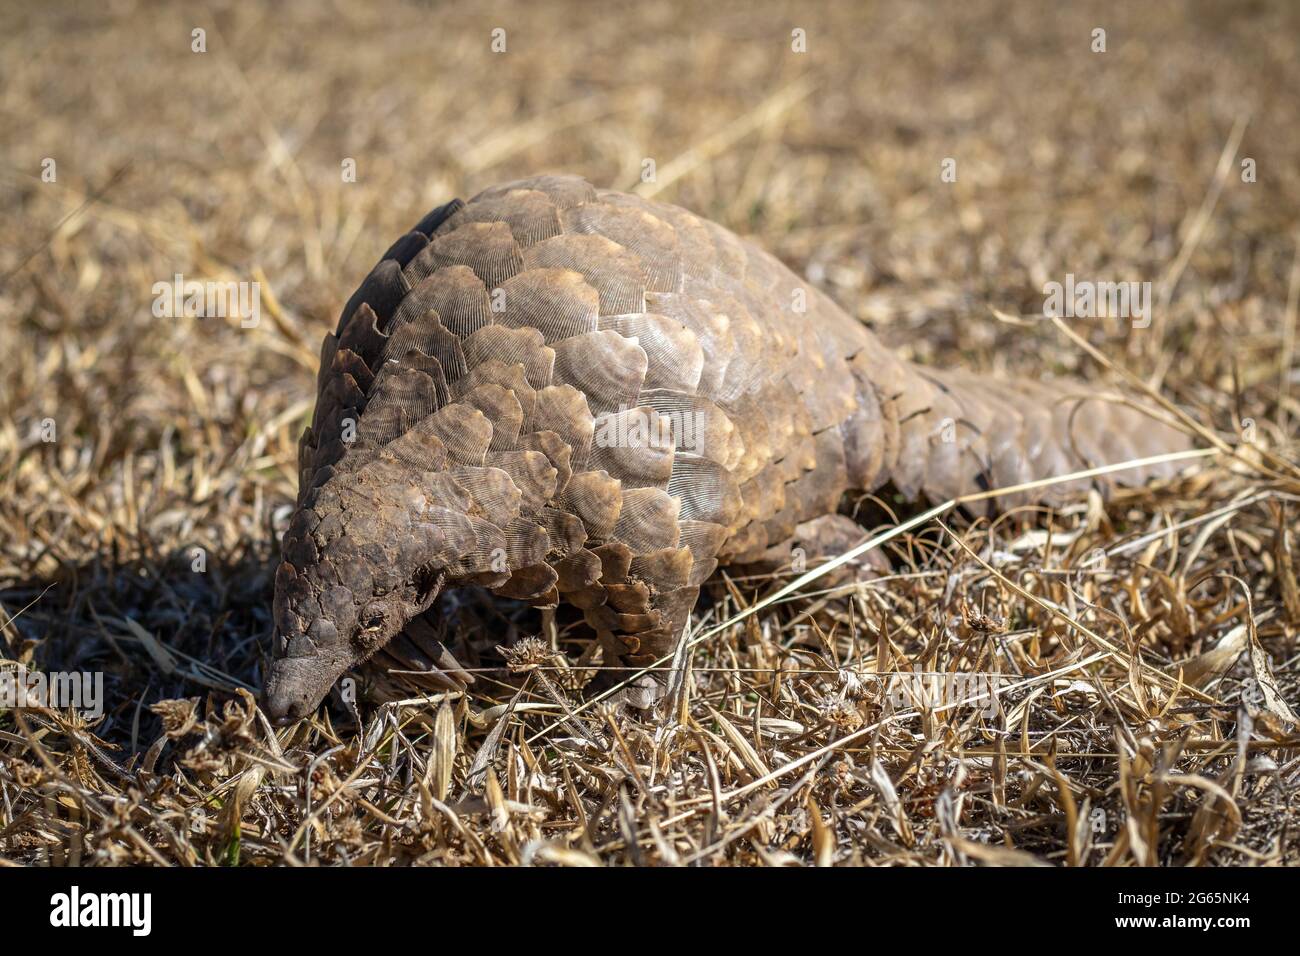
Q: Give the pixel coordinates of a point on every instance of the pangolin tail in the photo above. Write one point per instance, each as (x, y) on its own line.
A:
(946, 434)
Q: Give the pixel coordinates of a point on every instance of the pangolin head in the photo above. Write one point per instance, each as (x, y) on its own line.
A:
(355, 570)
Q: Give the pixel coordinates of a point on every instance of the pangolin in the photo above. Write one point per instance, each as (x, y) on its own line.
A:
(562, 392)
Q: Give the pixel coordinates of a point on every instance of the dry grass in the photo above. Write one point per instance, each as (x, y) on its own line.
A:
(1146, 647)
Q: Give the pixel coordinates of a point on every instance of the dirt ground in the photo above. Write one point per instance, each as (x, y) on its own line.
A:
(1142, 649)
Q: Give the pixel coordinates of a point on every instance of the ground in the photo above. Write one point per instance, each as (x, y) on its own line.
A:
(931, 167)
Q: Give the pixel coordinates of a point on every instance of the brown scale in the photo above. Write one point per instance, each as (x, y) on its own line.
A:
(674, 357)
(636, 446)
(556, 302)
(605, 366)
(530, 215)
(487, 249)
(614, 272)
(580, 395)
(456, 294)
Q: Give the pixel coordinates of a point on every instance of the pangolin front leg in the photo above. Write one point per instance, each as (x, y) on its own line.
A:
(569, 394)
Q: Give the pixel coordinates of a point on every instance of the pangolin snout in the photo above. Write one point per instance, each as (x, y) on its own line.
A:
(312, 651)
(304, 668)
(296, 685)
(284, 697)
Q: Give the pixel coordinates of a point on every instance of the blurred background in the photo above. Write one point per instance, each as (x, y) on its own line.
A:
(819, 130)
